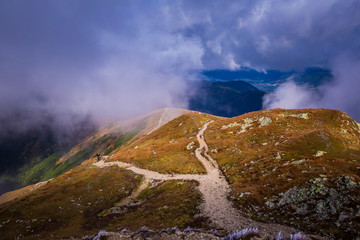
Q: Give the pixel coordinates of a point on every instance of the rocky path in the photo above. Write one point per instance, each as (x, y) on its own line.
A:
(214, 188)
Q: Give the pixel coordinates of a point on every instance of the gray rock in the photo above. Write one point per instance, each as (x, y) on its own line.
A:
(302, 210)
(332, 208)
(342, 217)
(320, 207)
(357, 212)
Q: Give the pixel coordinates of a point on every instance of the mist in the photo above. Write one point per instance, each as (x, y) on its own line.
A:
(341, 93)
(73, 60)
(78, 60)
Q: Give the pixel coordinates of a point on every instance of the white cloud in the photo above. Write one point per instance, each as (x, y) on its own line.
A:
(342, 93)
(289, 96)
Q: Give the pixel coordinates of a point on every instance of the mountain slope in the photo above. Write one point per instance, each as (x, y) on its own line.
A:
(299, 167)
(268, 80)
(296, 168)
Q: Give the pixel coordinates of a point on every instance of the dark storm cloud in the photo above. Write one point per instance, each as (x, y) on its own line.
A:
(278, 34)
(116, 59)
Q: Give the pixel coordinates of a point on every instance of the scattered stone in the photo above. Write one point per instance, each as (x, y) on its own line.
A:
(319, 153)
(342, 217)
(215, 150)
(320, 207)
(270, 204)
(248, 121)
(357, 212)
(347, 182)
(300, 115)
(302, 209)
(190, 146)
(234, 124)
(296, 162)
(241, 131)
(264, 121)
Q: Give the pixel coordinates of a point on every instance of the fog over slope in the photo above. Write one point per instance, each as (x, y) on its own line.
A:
(122, 59)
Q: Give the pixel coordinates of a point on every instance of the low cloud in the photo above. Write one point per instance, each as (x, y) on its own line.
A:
(124, 58)
(290, 95)
(68, 61)
(341, 93)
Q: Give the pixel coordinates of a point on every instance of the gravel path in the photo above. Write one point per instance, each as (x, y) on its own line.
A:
(214, 188)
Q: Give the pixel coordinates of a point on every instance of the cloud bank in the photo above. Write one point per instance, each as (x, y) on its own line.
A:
(341, 93)
(120, 59)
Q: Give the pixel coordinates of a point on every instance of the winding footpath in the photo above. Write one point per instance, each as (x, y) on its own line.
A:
(214, 188)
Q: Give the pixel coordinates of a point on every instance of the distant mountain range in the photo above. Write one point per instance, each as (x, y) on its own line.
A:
(226, 99)
(268, 80)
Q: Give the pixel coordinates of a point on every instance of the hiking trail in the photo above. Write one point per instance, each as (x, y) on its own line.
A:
(214, 188)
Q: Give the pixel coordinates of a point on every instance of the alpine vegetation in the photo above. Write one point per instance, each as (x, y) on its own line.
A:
(297, 236)
(244, 234)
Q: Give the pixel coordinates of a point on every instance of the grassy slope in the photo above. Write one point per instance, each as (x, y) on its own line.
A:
(68, 206)
(172, 203)
(250, 163)
(64, 206)
(165, 150)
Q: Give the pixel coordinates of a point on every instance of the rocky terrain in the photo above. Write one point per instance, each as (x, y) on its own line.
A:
(279, 170)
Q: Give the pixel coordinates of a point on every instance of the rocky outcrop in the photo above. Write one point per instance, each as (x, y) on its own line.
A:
(321, 199)
(317, 197)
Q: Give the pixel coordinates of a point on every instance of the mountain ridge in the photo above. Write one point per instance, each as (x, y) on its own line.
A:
(258, 153)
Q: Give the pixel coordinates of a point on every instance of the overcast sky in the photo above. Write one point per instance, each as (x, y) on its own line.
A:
(118, 59)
